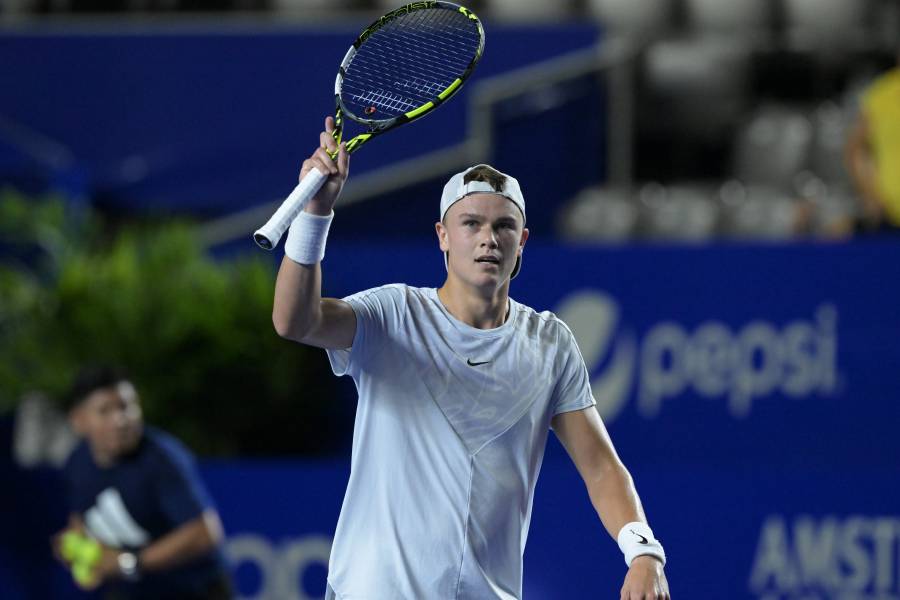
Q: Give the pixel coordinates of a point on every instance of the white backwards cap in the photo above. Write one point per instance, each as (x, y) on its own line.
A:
(456, 189)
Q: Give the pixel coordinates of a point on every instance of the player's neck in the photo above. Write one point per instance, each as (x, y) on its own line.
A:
(106, 458)
(478, 308)
(102, 458)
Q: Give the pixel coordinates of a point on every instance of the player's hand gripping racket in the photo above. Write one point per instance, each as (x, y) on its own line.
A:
(399, 69)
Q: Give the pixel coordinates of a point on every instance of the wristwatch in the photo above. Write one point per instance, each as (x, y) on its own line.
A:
(128, 566)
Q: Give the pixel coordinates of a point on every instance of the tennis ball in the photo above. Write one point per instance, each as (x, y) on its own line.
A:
(70, 544)
(83, 573)
(80, 548)
(82, 553)
(89, 552)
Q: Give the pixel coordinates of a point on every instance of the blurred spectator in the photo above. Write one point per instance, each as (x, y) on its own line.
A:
(873, 153)
(135, 490)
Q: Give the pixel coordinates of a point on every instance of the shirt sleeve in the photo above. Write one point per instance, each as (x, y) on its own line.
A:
(180, 491)
(573, 388)
(377, 311)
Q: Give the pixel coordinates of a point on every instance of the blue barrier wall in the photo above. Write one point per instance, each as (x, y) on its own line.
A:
(206, 119)
(752, 391)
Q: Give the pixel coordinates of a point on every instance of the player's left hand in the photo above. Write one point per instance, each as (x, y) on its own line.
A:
(96, 574)
(645, 581)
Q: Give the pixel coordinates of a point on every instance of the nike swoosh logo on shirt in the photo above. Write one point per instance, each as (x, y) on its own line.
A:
(475, 364)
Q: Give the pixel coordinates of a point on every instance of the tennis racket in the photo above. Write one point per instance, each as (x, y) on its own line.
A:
(399, 69)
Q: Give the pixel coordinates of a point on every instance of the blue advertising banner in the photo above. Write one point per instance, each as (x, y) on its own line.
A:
(750, 389)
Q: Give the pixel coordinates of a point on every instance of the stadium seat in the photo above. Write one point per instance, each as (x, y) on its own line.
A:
(384, 6)
(885, 19)
(639, 17)
(683, 212)
(599, 214)
(529, 10)
(757, 212)
(728, 15)
(826, 24)
(773, 146)
(830, 129)
(316, 5)
(702, 79)
(826, 15)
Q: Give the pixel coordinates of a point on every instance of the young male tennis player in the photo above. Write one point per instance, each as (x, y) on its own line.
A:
(458, 388)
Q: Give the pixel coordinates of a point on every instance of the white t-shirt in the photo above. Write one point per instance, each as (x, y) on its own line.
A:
(450, 432)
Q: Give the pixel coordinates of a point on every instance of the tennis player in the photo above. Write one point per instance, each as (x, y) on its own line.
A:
(458, 388)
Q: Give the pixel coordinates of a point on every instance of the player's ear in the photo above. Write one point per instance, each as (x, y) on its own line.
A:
(523, 239)
(442, 236)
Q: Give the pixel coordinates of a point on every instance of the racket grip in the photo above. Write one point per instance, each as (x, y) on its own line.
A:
(267, 236)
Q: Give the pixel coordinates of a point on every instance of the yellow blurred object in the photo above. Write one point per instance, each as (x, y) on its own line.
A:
(82, 553)
(83, 574)
(71, 541)
(90, 551)
(881, 103)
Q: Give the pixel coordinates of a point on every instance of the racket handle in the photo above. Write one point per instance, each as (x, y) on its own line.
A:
(267, 236)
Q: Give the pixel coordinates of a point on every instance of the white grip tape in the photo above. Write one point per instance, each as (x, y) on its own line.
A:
(268, 235)
(636, 539)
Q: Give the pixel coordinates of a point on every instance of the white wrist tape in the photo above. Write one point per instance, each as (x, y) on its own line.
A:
(306, 238)
(636, 539)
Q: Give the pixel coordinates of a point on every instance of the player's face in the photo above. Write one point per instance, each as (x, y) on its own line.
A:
(111, 419)
(483, 234)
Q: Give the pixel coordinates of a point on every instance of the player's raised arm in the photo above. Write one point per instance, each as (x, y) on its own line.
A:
(299, 312)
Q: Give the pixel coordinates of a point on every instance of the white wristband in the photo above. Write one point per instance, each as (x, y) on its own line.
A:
(636, 539)
(306, 238)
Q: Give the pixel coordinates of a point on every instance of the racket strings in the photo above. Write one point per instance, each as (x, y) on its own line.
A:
(421, 85)
(383, 68)
(425, 50)
(379, 63)
(452, 31)
(408, 62)
(427, 37)
(386, 101)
